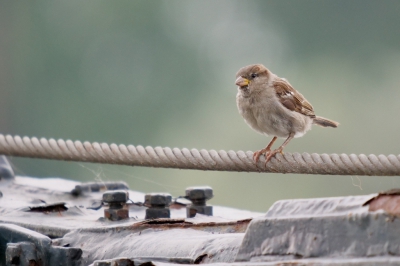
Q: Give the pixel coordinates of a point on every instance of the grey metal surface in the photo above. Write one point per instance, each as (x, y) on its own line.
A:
(331, 227)
(20, 246)
(85, 211)
(169, 244)
(375, 261)
(66, 224)
(68, 228)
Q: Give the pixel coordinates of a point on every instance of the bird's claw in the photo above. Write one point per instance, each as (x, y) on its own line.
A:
(270, 154)
(257, 154)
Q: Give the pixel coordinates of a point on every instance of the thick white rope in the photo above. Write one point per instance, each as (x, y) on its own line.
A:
(240, 161)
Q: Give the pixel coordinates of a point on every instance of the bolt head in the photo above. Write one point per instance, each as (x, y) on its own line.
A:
(199, 193)
(115, 196)
(157, 199)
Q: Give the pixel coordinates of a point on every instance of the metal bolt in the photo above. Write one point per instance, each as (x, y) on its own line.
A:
(198, 196)
(157, 204)
(117, 208)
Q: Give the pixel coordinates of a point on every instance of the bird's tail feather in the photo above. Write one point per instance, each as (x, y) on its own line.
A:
(324, 122)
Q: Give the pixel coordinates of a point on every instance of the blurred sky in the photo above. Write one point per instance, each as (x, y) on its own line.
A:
(161, 73)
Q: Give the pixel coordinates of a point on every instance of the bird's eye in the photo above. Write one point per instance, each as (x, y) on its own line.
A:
(254, 75)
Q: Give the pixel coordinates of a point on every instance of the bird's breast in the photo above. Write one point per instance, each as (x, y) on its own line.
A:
(268, 116)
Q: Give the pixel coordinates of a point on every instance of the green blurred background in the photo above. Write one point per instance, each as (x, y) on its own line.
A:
(161, 73)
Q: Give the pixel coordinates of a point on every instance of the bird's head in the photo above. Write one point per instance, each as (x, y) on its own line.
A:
(252, 78)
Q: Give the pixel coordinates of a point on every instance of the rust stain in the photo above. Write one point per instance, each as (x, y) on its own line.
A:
(177, 206)
(166, 224)
(389, 201)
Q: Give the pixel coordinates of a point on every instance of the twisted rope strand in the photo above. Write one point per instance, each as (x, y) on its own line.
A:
(240, 161)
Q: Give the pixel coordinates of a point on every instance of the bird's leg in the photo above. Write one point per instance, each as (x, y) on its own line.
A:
(266, 150)
(270, 154)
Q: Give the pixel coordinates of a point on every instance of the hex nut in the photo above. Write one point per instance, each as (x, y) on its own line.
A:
(192, 210)
(199, 193)
(155, 213)
(157, 200)
(116, 196)
(116, 214)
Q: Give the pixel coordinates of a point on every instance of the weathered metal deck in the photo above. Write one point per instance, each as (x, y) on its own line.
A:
(55, 221)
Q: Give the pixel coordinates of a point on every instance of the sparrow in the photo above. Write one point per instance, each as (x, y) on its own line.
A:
(272, 107)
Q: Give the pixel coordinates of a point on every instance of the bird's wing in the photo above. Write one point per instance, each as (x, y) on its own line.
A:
(292, 99)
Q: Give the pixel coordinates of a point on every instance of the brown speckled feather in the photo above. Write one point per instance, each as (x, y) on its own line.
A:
(292, 99)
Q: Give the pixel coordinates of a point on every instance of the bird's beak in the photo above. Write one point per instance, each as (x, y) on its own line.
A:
(242, 82)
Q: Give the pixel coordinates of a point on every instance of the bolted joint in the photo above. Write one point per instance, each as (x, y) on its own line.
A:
(116, 208)
(198, 196)
(158, 205)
